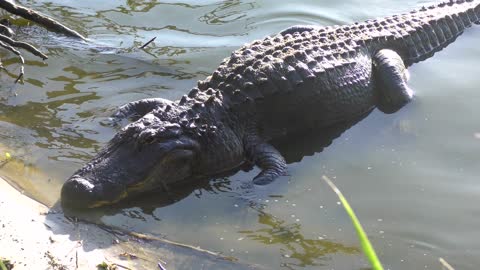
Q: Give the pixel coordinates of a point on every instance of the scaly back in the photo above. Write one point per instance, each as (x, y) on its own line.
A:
(297, 58)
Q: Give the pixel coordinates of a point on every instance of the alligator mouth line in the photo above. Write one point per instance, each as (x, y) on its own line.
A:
(103, 203)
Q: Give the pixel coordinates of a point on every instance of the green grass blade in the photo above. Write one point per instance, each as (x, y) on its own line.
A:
(2, 265)
(365, 243)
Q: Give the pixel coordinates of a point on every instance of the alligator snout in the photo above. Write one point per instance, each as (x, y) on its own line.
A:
(78, 192)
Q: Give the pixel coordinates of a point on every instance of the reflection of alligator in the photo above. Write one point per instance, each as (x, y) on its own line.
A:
(304, 77)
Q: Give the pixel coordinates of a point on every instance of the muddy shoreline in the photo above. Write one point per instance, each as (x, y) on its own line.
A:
(33, 236)
(29, 241)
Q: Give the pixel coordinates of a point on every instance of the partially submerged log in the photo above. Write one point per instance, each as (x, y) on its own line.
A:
(6, 33)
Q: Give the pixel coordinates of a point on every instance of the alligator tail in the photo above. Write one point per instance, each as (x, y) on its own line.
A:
(427, 30)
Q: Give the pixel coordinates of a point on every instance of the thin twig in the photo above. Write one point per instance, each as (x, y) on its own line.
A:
(121, 266)
(146, 237)
(7, 31)
(161, 266)
(148, 42)
(153, 238)
(20, 74)
(20, 44)
(39, 18)
(15, 51)
(120, 231)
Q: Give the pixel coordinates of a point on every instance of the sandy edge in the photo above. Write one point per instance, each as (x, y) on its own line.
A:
(33, 238)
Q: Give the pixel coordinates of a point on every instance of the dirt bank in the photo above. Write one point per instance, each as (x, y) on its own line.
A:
(28, 240)
(32, 236)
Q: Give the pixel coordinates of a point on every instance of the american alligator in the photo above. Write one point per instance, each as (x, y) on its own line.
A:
(302, 78)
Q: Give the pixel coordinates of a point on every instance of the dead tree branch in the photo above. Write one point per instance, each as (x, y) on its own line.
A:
(7, 42)
(39, 18)
(7, 31)
(26, 46)
(15, 51)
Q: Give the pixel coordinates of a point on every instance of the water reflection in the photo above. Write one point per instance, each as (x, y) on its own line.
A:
(140, 6)
(139, 207)
(227, 12)
(297, 250)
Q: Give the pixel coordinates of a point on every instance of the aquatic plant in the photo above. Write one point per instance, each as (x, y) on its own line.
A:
(5, 264)
(367, 247)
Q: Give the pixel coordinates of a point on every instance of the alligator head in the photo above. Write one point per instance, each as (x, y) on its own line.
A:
(145, 155)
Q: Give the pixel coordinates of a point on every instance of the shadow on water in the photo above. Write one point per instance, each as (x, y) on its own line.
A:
(299, 250)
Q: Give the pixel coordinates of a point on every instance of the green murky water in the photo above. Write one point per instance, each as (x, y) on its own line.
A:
(412, 177)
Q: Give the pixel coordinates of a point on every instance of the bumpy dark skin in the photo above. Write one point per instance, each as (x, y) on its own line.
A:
(302, 78)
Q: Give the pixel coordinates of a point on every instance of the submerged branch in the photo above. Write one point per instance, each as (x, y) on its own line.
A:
(165, 241)
(5, 30)
(23, 45)
(39, 18)
(22, 60)
(11, 44)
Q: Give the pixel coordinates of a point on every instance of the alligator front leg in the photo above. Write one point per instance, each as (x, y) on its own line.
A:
(391, 77)
(137, 109)
(267, 158)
